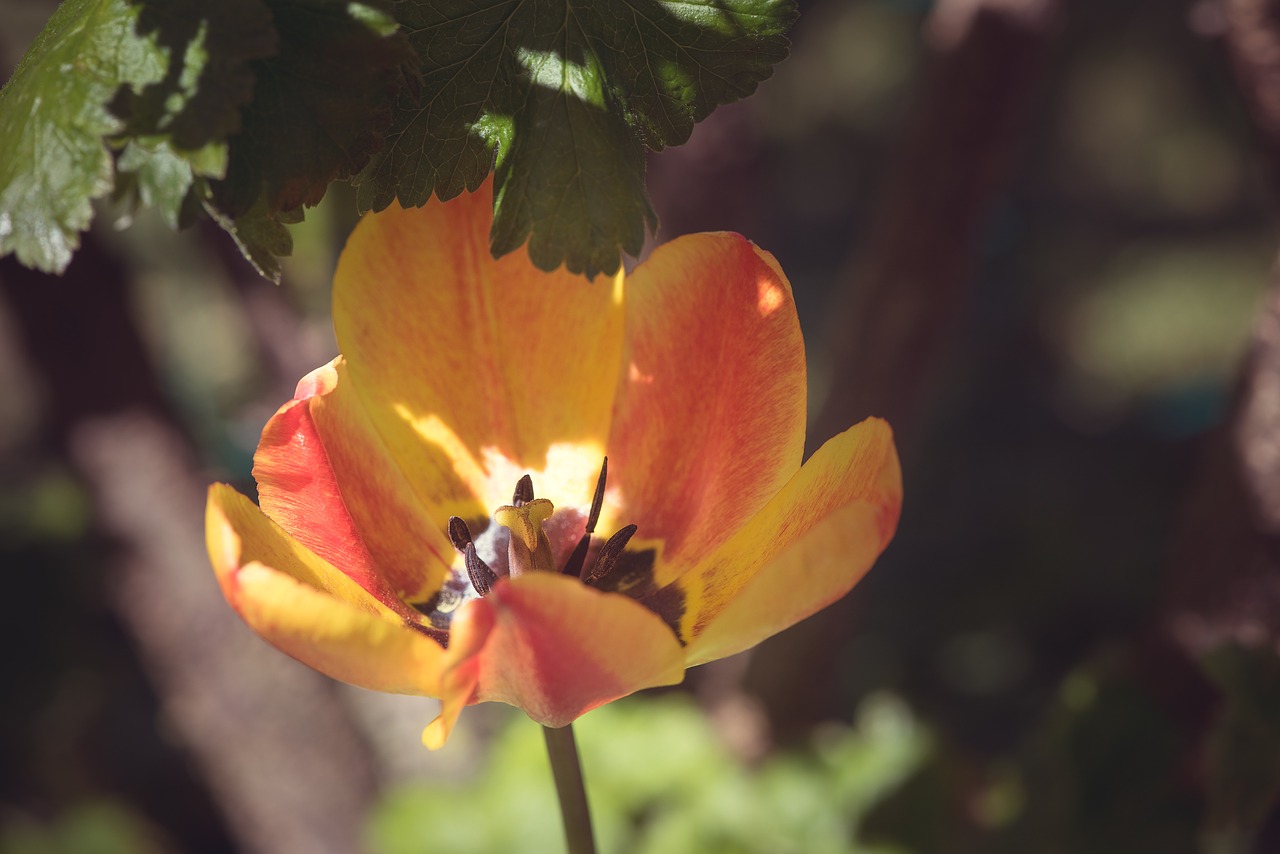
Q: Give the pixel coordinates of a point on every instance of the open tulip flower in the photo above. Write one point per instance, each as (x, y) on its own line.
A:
(435, 515)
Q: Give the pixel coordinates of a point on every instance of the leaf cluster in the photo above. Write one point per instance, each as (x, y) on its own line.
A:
(248, 109)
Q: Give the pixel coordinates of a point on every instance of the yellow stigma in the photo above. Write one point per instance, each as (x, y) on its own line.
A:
(529, 547)
(525, 521)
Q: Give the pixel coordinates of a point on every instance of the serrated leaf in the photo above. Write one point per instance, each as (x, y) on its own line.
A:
(260, 235)
(179, 124)
(318, 111)
(151, 173)
(565, 95)
(320, 108)
(53, 120)
(209, 78)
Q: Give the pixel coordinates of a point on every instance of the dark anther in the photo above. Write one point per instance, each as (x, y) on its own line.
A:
(609, 554)
(524, 492)
(598, 499)
(459, 534)
(573, 566)
(482, 577)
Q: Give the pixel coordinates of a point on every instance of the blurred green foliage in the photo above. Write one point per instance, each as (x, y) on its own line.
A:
(1243, 751)
(661, 781)
(95, 827)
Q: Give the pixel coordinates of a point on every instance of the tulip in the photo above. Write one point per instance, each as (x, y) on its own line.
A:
(435, 512)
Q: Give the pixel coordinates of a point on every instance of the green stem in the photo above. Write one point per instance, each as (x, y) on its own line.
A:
(567, 769)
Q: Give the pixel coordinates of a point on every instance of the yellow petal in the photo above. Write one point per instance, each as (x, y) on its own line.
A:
(461, 360)
(309, 610)
(711, 408)
(803, 551)
(239, 533)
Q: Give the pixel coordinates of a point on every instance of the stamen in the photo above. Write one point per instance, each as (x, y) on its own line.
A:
(597, 500)
(482, 577)
(573, 566)
(609, 554)
(459, 533)
(524, 491)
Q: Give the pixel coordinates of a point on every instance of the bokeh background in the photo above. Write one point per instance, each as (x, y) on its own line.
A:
(1037, 236)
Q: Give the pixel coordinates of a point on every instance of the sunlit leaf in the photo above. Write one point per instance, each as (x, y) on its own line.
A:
(564, 98)
(54, 159)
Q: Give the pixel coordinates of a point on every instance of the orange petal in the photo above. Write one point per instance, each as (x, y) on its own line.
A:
(460, 359)
(325, 475)
(310, 611)
(803, 551)
(298, 488)
(557, 648)
(711, 403)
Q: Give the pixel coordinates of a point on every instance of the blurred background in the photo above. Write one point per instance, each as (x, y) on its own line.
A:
(1038, 237)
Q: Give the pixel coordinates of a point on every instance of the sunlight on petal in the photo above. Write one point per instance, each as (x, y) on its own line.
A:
(771, 297)
(434, 431)
(568, 478)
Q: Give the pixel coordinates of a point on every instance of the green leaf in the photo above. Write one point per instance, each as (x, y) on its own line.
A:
(151, 173)
(564, 97)
(260, 234)
(53, 120)
(269, 100)
(181, 122)
(210, 76)
(319, 110)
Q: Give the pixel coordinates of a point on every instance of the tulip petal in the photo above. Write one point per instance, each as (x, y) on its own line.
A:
(711, 405)
(299, 489)
(326, 477)
(461, 360)
(310, 611)
(803, 551)
(557, 648)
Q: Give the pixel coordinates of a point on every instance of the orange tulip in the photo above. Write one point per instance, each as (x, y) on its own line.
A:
(461, 374)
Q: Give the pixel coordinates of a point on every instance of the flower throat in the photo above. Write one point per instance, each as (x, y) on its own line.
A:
(529, 548)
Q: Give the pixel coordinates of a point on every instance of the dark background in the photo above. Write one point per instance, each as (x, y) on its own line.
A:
(1038, 237)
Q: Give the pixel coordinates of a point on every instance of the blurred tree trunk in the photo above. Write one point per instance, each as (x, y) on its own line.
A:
(1223, 602)
(907, 287)
(269, 736)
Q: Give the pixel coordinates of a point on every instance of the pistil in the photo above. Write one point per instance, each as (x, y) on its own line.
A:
(528, 549)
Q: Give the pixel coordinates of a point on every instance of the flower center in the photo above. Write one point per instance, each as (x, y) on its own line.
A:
(529, 548)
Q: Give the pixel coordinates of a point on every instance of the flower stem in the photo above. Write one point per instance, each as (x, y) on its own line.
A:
(567, 769)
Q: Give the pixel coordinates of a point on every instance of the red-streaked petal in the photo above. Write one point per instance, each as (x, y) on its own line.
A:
(325, 477)
(310, 611)
(238, 533)
(711, 403)
(299, 490)
(462, 361)
(409, 547)
(803, 551)
(557, 648)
